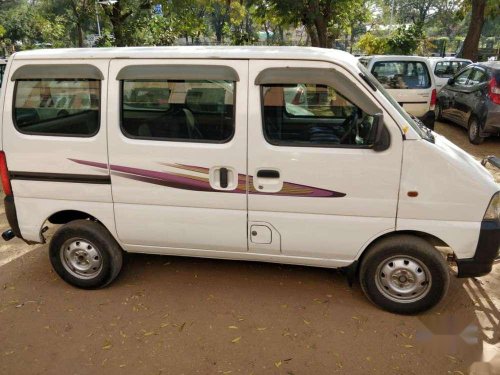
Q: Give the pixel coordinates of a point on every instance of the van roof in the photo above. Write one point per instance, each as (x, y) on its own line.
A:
(191, 52)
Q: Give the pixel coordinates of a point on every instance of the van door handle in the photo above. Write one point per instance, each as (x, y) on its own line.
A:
(223, 178)
(268, 173)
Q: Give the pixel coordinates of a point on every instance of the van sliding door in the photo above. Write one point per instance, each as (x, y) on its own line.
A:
(177, 154)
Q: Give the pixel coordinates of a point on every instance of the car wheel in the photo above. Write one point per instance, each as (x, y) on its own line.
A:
(85, 254)
(474, 131)
(404, 274)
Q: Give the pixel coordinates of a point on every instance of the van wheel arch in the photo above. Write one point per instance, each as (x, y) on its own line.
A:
(66, 216)
(353, 269)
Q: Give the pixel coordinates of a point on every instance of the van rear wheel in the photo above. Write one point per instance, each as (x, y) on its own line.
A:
(85, 254)
(404, 274)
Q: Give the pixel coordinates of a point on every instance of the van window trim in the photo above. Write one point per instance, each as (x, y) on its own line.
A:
(91, 135)
(183, 72)
(176, 140)
(57, 71)
(295, 144)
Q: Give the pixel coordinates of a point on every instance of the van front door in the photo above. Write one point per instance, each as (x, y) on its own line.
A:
(317, 189)
(177, 154)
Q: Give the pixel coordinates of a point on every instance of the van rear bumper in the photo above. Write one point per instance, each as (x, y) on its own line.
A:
(487, 251)
(428, 119)
(10, 212)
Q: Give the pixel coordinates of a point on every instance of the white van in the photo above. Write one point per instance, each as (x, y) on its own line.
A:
(409, 80)
(286, 155)
(445, 68)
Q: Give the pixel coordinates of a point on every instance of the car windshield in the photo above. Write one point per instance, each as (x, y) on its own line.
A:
(417, 125)
(447, 69)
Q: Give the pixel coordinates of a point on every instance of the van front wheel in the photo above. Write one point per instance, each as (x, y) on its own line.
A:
(404, 274)
(85, 254)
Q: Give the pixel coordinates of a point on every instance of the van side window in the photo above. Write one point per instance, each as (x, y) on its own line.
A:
(67, 107)
(313, 115)
(192, 111)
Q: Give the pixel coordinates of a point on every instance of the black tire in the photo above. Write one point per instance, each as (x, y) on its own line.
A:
(89, 240)
(439, 112)
(401, 249)
(474, 130)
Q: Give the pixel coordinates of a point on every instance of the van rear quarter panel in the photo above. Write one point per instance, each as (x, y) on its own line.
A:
(36, 200)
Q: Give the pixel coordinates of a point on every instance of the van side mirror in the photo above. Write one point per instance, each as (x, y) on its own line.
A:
(382, 137)
(451, 81)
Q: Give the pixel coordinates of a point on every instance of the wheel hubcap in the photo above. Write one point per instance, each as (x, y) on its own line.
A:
(81, 258)
(403, 279)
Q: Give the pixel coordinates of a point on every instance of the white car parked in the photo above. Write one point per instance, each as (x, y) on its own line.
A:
(286, 155)
(409, 80)
(445, 68)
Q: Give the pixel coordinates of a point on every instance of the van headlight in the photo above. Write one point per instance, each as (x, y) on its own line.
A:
(493, 210)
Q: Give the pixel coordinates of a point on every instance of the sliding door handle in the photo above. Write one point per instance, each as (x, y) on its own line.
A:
(223, 178)
(268, 173)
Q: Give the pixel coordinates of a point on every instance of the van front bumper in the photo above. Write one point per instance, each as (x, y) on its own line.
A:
(487, 251)
(428, 119)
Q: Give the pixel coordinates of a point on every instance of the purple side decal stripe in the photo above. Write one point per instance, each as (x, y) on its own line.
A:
(194, 183)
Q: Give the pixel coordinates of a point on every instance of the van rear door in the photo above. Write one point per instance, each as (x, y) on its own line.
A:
(177, 153)
(43, 139)
(409, 82)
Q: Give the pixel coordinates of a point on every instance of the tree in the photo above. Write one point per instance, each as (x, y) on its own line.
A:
(271, 21)
(416, 11)
(372, 45)
(77, 16)
(119, 12)
(471, 42)
(219, 16)
(189, 18)
(482, 11)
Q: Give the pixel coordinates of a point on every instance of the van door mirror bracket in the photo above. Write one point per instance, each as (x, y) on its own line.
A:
(382, 137)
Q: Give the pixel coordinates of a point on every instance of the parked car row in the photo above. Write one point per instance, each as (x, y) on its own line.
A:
(440, 88)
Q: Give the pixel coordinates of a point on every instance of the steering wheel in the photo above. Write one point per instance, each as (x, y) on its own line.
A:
(352, 120)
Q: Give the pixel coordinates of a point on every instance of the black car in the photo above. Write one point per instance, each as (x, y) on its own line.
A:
(472, 99)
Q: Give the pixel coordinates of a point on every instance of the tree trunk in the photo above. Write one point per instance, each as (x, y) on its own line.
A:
(79, 33)
(471, 42)
(321, 26)
(313, 36)
(118, 33)
(351, 39)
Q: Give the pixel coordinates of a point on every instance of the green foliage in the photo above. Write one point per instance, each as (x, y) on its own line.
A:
(370, 44)
(325, 23)
(402, 41)
(405, 40)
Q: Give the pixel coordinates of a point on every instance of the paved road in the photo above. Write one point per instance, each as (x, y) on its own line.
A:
(172, 315)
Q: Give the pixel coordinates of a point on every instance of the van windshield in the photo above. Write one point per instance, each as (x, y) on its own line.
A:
(418, 126)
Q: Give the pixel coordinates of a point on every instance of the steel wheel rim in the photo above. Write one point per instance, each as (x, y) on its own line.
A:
(403, 279)
(81, 258)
